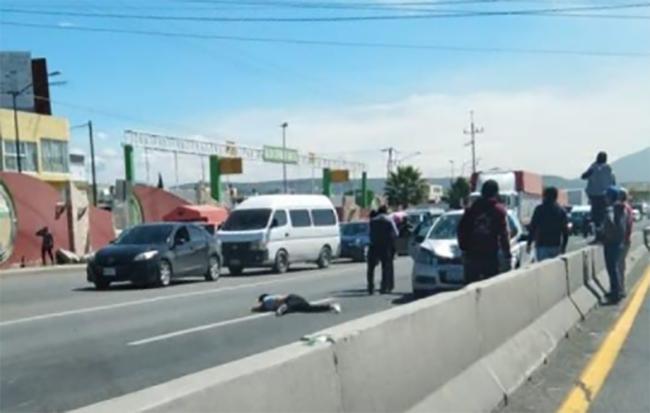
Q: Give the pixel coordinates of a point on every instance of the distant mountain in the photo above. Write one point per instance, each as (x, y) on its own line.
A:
(634, 167)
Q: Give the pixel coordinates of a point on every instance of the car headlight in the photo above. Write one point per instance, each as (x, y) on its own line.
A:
(425, 256)
(258, 245)
(147, 255)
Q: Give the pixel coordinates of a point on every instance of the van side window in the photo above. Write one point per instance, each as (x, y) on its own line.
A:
(323, 217)
(279, 219)
(300, 218)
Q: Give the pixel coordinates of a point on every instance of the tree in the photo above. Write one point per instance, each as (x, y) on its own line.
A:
(458, 193)
(406, 187)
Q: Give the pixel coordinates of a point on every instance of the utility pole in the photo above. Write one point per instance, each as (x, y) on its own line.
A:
(92, 160)
(14, 95)
(473, 131)
(391, 159)
(284, 157)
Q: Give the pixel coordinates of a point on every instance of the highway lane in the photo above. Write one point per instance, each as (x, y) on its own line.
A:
(65, 345)
(54, 361)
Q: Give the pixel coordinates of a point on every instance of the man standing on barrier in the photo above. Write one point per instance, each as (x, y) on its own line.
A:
(599, 177)
(483, 233)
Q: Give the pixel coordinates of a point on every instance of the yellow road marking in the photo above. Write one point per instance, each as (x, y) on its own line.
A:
(594, 375)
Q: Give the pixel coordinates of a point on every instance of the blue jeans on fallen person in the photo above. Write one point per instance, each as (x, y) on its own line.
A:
(612, 255)
(545, 253)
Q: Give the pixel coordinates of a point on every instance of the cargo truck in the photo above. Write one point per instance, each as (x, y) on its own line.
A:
(521, 191)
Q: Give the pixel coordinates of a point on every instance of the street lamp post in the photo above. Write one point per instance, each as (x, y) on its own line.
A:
(451, 177)
(14, 94)
(284, 157)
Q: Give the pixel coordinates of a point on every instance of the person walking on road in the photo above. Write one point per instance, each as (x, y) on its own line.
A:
(599, 177)
(47, 244)
(613, 237)
(282, 304)
(383, 234)
(549, 227)
(627, 241)
(482, 233)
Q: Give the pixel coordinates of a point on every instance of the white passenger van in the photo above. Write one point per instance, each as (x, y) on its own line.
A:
(278, 230)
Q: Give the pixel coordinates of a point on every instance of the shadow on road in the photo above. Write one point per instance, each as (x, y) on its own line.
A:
(126, 286)
(358, 292)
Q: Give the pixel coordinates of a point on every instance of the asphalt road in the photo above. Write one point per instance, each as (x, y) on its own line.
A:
(65, 345)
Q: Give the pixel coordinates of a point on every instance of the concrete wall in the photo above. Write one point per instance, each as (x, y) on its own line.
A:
(420, 357)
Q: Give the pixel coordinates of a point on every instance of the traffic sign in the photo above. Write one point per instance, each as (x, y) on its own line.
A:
(230, 166)
(279, 155)
(339, 175)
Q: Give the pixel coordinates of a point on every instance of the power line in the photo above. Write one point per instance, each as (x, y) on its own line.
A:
(334, 43)
(551, 11)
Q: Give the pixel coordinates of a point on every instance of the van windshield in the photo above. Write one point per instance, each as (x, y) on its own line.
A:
(247, 219)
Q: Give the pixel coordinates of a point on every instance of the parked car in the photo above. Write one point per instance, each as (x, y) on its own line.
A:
(643, 208)
(154, 254)
(279, 230)
(355, 239)
(438, 264)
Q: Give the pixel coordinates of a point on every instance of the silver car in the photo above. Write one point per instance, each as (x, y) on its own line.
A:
(438, 263)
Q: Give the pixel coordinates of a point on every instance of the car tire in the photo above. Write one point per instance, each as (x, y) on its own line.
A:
(102, 284)
(214, 269)
(235, 270)
(325, 257)
(281, 264)
(164, 274)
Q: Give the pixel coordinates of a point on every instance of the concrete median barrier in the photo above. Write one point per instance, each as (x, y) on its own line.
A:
(461, 351)
(583, 290)
(292, 378)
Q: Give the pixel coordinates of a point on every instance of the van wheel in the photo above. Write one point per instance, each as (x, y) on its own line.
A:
(325, 257)
(214, 269)
(235, 270)
(281, 262)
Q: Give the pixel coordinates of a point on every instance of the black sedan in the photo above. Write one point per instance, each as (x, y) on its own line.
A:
(154, 254)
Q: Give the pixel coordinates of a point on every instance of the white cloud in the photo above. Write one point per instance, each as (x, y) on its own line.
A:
(546, 130)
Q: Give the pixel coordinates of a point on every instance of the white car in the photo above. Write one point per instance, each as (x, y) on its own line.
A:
(279, 230)
(438, 264)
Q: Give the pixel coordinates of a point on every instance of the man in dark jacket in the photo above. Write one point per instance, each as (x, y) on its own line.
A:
(613, 238)
(549, 227)
(47, 244)
(383, 234)
(482, 233)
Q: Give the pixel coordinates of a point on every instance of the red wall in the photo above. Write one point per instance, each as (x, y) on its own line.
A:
(156, 202)
(35, 206)
(101, 228)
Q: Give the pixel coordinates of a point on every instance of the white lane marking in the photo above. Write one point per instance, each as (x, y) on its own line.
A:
(209, 326)
(341, 271)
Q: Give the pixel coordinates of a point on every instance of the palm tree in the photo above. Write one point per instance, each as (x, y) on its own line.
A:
(458, 193)
(406, 187)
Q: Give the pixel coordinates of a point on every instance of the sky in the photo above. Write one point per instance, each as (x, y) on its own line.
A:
(544, 110)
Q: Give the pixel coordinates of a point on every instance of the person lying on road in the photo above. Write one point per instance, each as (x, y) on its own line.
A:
(291, 303)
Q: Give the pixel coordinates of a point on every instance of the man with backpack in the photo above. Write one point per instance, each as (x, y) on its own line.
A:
(613, 238)
(483, 233)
